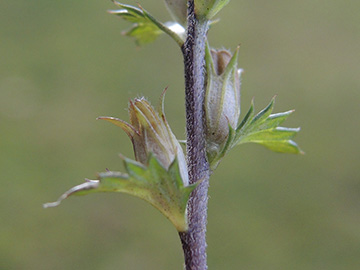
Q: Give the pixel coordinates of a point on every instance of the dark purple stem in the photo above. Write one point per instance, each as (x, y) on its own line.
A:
(194, 240)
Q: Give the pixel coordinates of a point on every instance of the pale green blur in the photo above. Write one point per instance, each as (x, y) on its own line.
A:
(64, 63)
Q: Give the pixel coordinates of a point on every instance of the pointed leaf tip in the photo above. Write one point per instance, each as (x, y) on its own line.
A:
(83, 188)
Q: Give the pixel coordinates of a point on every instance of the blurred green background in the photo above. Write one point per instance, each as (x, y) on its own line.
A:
(63, 63)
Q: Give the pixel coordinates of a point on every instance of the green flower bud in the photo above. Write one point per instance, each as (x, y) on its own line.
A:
(150, 133)
(178, 10)
(222, 98)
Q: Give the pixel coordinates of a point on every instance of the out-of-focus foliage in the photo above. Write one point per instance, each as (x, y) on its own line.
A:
(63, 63)
(209, 8)
(145, 27)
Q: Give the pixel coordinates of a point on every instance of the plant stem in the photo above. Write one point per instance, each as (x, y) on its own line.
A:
(194, 240)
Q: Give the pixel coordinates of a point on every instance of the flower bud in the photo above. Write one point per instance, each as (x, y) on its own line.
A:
(222, 98)
(178, 10)
(150, 134)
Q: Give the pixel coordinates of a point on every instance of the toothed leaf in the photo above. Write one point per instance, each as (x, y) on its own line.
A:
(263, 128)
(162, 188)
(146, 28)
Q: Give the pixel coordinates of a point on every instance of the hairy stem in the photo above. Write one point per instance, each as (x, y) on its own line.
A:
(194, 240)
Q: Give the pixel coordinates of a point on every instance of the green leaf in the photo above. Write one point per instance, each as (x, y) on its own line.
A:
(264, 129)
(146, 28)
(162, 188)
(209, 8)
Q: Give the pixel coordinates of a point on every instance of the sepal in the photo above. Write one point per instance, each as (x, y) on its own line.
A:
(222, 98)
(150, 132)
